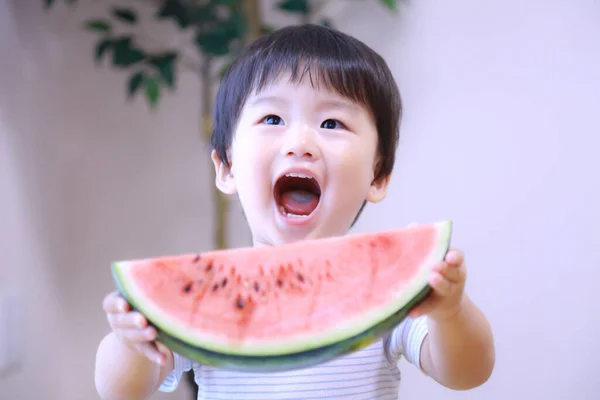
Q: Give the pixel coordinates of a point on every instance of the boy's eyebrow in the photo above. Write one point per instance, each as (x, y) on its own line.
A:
(267, 99)
(324, 104)
(344, 105)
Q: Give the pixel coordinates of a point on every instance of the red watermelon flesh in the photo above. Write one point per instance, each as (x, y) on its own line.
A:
(278, 300)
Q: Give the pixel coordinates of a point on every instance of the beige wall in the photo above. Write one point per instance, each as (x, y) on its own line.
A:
(500, 134)
(86, 178)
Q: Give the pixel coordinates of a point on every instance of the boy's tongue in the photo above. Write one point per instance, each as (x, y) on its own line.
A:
(299, 202)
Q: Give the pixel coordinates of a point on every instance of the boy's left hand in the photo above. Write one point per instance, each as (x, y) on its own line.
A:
(448, 282)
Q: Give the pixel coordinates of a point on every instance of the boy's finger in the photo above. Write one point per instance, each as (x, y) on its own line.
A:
(162, 348)
(131, 320)
(109, 303)
(454, 257)
(151, 352)
(453, 274)
(421, 309)
(138, 335)
(114, 303)
(415, 313)
(440, 284)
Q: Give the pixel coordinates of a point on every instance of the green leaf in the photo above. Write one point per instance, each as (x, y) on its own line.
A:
(224, 68)
(326, 22)
(266, 29)
(201, 14)
(124, 54)
(225, 2)
(152, 90)
(98, 25)
(218, 39)
(125, 14)
(101, 47)
(295, 6)
(176, 10)
(237, 26)
(50, 3)
(215, 43)
(391, 4)
(212, 44)
(134, 83)
(165, 64)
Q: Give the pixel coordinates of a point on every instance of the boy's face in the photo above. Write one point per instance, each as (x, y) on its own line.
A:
(302, 162)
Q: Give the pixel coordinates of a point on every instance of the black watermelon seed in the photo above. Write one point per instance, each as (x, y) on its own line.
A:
(240, 304)
(197, 258)
(256, 286)
(187, 288)
(215, 287)
(224, 282)
(209, 266)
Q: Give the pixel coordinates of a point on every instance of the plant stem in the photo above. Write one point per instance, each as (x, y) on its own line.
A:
(251, 9)
(220, 201)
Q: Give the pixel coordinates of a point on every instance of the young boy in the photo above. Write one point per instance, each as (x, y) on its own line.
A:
(305, 132)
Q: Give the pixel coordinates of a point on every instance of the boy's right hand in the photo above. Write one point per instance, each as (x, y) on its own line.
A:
(133, 329)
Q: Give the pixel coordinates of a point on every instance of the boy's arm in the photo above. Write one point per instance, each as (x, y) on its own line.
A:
(458, 351)
(125, 374)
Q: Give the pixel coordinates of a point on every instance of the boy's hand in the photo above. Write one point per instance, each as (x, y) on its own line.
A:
(132, 329)
(448, 283)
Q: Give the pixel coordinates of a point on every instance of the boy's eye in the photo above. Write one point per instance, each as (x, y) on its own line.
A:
(332, 124)
(272, 120)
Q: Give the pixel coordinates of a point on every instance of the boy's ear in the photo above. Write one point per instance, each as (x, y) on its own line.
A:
(223, 175)
(378, 190)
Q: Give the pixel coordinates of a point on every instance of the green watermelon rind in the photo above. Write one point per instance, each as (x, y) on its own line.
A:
(292, 361)
(293, 352)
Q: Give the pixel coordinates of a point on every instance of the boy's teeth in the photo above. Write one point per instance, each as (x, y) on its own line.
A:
(295, 216)
(282, 210)
(298, 175)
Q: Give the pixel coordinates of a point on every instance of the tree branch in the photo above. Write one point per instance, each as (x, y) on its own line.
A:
(154, 3)
(186, 61)
(251, 9)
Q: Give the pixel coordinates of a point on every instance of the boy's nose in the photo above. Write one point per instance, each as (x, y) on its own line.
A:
(300, 142)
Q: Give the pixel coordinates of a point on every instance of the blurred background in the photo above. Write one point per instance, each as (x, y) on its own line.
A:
(501, 134)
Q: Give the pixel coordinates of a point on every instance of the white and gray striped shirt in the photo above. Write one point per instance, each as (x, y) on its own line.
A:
(370, 373)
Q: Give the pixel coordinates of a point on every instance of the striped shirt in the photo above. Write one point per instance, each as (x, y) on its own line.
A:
(370, 373)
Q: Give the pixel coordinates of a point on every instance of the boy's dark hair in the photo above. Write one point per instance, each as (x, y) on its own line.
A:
(331, 58)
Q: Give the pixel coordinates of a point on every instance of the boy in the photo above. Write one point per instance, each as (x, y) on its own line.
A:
(305, 132)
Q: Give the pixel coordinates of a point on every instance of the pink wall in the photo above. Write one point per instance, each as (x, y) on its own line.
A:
(501, 134)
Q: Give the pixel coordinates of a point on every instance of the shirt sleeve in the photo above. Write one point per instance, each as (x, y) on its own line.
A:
(406, 340)
(171, 382)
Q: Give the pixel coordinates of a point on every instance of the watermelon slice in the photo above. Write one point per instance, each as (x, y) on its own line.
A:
(286, 307)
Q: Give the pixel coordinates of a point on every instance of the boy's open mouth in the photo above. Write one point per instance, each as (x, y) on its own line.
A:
(297, 195)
